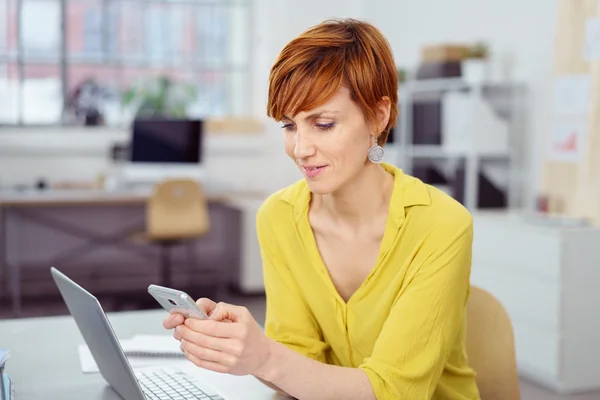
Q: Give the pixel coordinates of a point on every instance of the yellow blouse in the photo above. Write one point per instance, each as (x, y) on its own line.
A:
(405, 325)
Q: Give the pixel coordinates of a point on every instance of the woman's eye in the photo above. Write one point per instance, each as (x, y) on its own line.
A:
(287, 127)
(326, 127)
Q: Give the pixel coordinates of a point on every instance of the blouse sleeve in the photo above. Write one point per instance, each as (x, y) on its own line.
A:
(289, 321)
(416, 340)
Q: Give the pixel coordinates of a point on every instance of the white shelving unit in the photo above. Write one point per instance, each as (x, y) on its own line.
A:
(406, 153)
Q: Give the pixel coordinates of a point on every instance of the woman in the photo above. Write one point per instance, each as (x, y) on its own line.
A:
(366, 269)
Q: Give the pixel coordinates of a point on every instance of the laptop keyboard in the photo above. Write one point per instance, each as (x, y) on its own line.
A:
(172, 384)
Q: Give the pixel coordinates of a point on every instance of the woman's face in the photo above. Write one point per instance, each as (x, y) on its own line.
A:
(330, 143)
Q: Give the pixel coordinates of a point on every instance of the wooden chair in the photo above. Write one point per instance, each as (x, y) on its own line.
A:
(177, 211)
(491, 347)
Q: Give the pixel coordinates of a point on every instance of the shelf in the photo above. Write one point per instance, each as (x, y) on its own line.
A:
(441, 84)
(503, 97)
(435, 151)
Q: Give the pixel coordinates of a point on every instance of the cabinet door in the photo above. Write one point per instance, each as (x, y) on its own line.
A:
(507, 242)
(538, 352)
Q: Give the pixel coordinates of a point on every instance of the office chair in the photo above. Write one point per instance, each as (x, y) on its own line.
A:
(177, 211)
(491, 347)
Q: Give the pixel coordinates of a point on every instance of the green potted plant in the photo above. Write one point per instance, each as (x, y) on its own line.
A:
(479, 50)
(402, 75)
(161, 97)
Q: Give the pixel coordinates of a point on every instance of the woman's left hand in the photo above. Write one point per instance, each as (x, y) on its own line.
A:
(229, 342)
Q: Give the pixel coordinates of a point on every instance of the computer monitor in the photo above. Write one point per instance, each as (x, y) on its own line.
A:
(169, 141)
(162, 149)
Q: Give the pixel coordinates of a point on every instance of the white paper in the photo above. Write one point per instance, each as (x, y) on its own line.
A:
(591, 49)
(567, 140)
(143, 343)
(572, 94)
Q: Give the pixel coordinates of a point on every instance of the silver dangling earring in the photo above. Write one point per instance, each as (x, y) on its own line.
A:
(376, 153)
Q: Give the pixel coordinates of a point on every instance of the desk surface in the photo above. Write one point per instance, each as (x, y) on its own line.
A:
(71, 197)
(44, 361)
(77, 197)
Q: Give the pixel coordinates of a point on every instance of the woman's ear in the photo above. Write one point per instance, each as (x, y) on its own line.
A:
(383, 113)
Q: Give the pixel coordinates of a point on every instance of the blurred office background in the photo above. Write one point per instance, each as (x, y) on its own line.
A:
(89, 88)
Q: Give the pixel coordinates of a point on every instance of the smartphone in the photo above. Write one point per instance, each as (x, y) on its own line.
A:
(176, 301)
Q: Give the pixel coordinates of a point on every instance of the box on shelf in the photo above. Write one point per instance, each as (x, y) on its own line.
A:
(443, 52)
(470, 124)
(237, 125)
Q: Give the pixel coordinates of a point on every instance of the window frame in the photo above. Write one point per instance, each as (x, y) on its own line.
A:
(192, 65)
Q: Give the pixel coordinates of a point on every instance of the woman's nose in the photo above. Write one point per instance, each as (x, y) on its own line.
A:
(304, 146)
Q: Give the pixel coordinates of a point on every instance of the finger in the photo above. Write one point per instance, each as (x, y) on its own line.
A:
(204, 354)
(230, 346)
(210, 365)
(206, 304)
(224, 311)
(213, 328)
(177, 333)
(173, 320)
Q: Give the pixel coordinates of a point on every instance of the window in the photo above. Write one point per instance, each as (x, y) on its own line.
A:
(4, 28)
(56, 55)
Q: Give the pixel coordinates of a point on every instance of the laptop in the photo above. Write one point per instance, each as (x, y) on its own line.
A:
(144, 384)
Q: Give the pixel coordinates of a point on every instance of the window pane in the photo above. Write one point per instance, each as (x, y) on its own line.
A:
(42, 94)
(211, 96)
(93, 95)
(93, 30)
(188, 39)
(113, 29)
(40, 29)
(238, 37)
(238, 93)
(9, 100)
(3, 27)
(211, 34)
(84, 29)
(11, 27)
(156, 33)
(131, 32)
(174, 23)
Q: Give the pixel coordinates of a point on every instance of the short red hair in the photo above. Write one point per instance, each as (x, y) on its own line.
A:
(312, 68)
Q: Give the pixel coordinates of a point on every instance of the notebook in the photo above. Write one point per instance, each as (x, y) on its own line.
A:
(4, 354)
(152, 346)
(7, 386)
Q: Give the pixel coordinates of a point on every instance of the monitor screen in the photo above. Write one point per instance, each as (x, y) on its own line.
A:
(176, 141)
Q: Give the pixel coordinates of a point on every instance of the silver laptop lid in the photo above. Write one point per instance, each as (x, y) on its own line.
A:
(99, 336)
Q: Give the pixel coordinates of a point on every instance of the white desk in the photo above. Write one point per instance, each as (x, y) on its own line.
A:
(44, 362)
(68, 214)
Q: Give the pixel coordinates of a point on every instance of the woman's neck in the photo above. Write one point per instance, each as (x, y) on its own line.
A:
(365, 197)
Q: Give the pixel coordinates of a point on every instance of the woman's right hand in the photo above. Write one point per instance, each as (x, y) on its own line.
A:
(176, 319)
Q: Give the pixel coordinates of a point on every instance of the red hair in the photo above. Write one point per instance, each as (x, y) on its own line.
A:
(312, 68)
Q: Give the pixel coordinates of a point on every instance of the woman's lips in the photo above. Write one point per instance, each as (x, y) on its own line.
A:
(313, 171)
